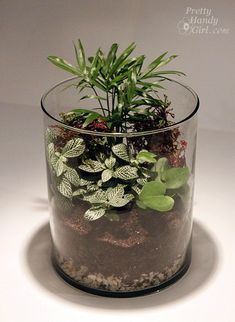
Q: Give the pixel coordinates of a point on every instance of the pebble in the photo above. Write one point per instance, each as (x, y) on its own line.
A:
(118, 283)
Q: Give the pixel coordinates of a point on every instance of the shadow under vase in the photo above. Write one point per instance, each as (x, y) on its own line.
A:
(204, 263)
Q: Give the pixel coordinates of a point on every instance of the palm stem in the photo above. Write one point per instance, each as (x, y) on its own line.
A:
(101, 106)
(113, 99)
(107, 99)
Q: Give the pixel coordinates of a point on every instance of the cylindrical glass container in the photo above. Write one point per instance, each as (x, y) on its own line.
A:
(121, 219)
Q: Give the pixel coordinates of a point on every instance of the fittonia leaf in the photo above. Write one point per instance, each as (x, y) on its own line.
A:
(126, 172)
(120, 150)
(94, 213)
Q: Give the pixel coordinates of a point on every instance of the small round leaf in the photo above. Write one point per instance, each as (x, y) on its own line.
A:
(176, 177)
(159, 203)
(152, 189)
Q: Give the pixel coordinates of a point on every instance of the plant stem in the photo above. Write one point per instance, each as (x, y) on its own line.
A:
(113, 99)
(107, 99)
(101, 106)
(125, 119)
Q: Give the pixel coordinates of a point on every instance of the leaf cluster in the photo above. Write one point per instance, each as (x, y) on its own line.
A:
(113, 180)
(123, 87)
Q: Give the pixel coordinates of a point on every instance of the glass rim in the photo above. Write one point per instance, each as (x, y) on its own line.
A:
(121, 134)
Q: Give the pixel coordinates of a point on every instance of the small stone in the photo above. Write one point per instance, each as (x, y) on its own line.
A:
(118, 283)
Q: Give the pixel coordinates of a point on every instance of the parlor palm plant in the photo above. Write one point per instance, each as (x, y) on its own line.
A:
(125, 89)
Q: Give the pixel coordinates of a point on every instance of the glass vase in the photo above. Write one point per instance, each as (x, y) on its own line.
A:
(136, 247)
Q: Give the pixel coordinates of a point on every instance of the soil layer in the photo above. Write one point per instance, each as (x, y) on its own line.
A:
(141, 250)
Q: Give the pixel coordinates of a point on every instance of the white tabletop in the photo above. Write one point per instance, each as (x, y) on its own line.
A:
(30, 290)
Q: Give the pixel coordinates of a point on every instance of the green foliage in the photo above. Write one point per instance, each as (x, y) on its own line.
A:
(126, 172)
(110, 162)
(161, 165)
(153, 196)
(49, 136)
(151, 189)
(159, 203)
(94, 213)
(117, 197)
(115, 179)
(65, 187)
(102, 200)
(123, 87)
(61, 63)
(78, 113)
(66, 176)
(92, 166)
(106, 173)
(72, 176)
(175, 177)
(73, 148)
(57, 160)
(145, 156)
(120, 150)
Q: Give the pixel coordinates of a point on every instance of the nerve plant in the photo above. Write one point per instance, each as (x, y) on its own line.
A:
(104, 172)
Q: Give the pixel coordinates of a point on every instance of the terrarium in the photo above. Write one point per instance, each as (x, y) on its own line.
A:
(120, 138)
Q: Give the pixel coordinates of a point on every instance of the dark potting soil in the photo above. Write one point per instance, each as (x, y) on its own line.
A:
(144, 247)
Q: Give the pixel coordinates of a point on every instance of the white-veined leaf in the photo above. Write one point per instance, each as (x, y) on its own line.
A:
(98, 197)
(99, 183)
(51, 150)
(136, 189)
(59, 167)
(92, 166)
(84, 182)
(94, 213)
(115, 193)
(120, 202)
(142, 181)
(92, 188)
(72, 175)
(126, 172)
(79, 192)
(50, 136)
(65, 188)
(51, 157)
(73, 148)
(110, 162)
(53, 160)
(106, 175)
(120, 150)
